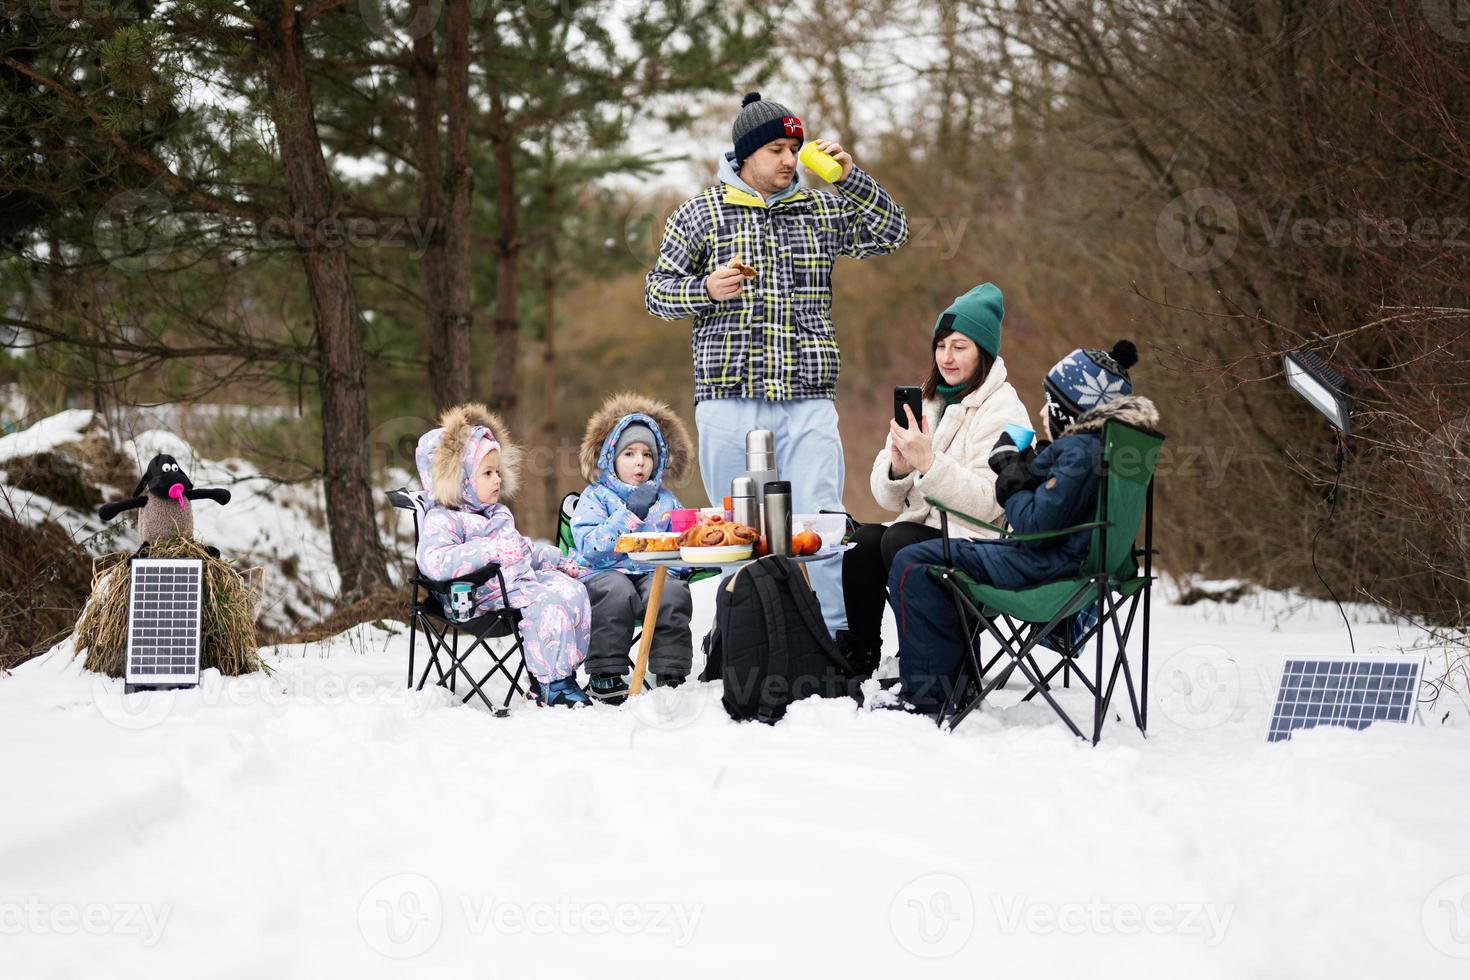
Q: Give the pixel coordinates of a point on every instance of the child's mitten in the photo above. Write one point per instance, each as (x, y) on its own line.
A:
(1015, 475)
(1004, 451)
(641, 499)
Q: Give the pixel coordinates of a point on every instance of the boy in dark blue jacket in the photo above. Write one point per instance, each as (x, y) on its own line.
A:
(1049, 486)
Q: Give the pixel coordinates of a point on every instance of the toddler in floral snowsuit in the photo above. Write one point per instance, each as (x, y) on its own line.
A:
(465, 465)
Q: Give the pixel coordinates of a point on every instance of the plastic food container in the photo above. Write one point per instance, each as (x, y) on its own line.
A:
(683, 519)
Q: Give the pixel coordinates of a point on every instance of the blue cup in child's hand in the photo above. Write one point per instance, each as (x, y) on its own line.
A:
(1020, 435)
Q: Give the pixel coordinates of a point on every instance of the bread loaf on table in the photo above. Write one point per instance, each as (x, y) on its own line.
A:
(632, 544)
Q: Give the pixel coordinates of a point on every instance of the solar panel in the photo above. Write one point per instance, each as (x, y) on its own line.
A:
(1345, 692)
(163, 621)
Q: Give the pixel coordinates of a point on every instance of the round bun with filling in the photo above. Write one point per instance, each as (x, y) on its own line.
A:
(718, 533)
(743, 534)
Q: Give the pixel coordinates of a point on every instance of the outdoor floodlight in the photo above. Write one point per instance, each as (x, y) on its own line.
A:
(1324, 388)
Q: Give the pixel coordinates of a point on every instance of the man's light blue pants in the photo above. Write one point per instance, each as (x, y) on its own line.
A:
(808, 453)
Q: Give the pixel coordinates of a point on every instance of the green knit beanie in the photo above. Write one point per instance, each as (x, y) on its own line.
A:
(977, 315)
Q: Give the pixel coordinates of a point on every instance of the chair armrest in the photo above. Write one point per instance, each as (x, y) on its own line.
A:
(1059, 532)
(932, 502)
(1012, 535)
(479, 577)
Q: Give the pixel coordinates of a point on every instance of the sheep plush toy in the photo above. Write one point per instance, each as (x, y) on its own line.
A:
(166, 526)
(163, 494)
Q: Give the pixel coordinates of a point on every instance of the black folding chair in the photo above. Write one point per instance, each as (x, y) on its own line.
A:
(428, 612)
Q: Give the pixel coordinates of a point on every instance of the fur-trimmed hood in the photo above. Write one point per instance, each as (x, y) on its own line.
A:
(605, 425)
(1134, 410)
(445, 455)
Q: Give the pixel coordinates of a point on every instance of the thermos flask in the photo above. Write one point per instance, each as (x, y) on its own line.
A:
(777, 526)
(760, 461)
(461, 601)
(743, 506)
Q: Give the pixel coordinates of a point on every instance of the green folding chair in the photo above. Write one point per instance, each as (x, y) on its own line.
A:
(564, 523)
(1110, 579)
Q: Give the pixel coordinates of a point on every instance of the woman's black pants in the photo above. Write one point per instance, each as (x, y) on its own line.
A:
(865, 577)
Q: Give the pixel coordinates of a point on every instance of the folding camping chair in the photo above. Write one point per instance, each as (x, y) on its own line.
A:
(1110, 581)
(443, 634)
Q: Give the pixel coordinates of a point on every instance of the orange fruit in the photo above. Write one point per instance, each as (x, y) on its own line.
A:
(806, 543)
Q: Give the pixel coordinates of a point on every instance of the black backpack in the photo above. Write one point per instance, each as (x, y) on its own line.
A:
(769, 645)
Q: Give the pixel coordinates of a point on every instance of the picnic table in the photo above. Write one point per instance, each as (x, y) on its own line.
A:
(660, 568)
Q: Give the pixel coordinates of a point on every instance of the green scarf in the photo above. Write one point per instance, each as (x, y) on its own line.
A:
(950, 393)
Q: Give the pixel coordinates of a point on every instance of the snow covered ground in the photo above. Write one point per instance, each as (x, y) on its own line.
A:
(323, 821)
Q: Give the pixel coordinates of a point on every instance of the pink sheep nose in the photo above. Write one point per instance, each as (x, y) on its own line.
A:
(177, 492)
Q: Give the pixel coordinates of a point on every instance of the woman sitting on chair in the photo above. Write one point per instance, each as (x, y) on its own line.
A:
(967, 404)
(1046, 487)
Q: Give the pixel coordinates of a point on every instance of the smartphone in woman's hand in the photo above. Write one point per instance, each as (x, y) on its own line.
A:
(913, 398)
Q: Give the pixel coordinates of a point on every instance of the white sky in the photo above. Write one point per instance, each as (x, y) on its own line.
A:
(884, 104)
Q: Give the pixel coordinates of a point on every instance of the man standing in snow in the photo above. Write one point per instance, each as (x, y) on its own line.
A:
(765, 351)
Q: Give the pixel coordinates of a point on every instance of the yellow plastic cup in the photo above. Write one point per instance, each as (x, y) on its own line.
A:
(824, 165)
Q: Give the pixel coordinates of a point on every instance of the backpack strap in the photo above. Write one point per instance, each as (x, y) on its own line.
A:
(810, 609)
(778, 649)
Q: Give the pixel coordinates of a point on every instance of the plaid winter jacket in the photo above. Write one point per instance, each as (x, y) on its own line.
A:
(775, 340)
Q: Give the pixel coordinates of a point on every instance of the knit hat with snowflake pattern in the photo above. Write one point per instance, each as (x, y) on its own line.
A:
(1086, 378)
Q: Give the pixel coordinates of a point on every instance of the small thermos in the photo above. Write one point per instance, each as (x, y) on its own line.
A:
(760, 459)
(777, 526)
(744, 508)
(461, 601)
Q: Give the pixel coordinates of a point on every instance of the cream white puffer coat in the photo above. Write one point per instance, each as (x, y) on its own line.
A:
(961, 476)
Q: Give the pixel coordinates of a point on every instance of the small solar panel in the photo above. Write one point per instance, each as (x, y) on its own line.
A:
(163, 621)
(1345, 692)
